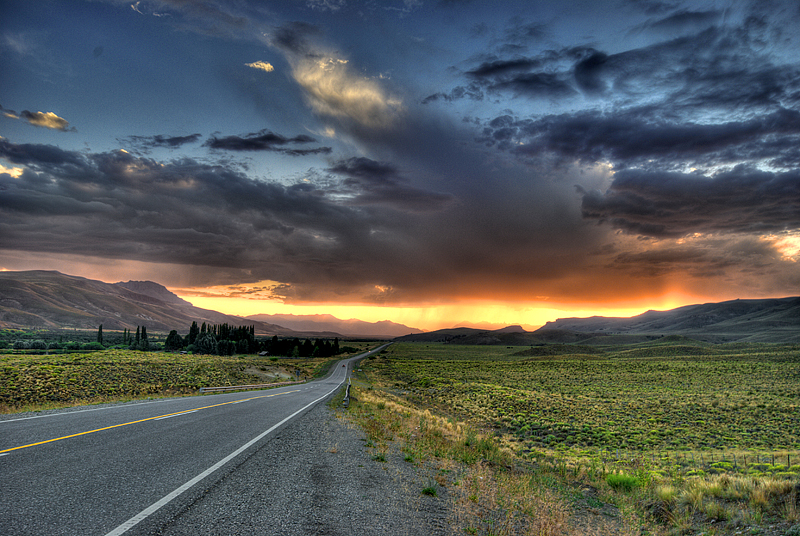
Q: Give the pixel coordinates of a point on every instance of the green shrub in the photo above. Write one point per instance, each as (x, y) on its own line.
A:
(623, 482)
(429, 490)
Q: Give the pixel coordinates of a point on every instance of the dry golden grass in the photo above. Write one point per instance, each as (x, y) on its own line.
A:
(490, 493)
(503, 503)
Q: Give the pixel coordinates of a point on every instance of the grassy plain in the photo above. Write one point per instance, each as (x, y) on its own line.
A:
(649, 398)
(680, 437)
(31, 382)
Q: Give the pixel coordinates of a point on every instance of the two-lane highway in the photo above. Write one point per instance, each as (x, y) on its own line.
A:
(102, 471)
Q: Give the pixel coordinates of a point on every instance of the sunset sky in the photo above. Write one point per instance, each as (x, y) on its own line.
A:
(430, 162)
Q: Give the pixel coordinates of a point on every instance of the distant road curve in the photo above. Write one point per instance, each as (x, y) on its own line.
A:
(102, 471)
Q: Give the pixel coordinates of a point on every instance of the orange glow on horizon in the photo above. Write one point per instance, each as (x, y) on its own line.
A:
(429, 317)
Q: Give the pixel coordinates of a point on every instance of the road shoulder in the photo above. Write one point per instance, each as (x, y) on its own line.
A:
(317, 475)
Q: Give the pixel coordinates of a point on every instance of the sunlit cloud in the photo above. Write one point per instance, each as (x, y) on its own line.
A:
(262, 66)
(46, 120)
(39, 119)
(261, 291)
(334, 90)
(786, 244)
(14, 172)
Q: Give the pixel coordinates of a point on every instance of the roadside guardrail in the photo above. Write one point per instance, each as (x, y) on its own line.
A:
(346, 401)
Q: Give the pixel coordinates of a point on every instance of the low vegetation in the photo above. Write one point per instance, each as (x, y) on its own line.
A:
(668, 437)
(35, 381)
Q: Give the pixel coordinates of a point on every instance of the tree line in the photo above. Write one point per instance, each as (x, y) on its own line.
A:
(224, 339)
(215, 339)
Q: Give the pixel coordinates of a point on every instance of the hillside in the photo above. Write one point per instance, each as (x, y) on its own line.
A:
(514, 336)
(49, 299)
(768, 320)
(329, 323)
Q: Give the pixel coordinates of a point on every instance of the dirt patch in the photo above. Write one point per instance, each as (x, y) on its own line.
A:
(273, 373)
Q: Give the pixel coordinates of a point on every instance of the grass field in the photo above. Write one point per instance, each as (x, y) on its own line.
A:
(30, 382)
(680, 437)
(652, 398)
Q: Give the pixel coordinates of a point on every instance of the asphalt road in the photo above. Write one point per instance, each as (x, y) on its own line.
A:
(104, 471)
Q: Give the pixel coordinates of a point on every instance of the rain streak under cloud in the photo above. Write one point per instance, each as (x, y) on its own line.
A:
(423, 154)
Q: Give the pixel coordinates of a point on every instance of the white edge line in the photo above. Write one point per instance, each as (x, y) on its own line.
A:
(144, 514)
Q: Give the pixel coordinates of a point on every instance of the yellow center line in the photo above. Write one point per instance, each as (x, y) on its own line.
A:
(144, 420)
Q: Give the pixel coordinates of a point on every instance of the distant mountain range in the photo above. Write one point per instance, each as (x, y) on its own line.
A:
(767, 320)
(353, 328)
(49, 299)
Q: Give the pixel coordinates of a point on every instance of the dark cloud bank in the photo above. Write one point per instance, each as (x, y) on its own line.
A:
(702, 130)
(697, 133)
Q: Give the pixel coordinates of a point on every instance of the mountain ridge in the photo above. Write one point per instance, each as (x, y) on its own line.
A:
(763, 320)
(50, 299)
(349, 327)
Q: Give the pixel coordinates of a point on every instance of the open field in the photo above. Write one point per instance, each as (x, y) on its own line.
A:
(29, 382)
(678, 437)
(649, 398)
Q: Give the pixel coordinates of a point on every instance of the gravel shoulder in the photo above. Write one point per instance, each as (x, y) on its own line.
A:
(317, 476)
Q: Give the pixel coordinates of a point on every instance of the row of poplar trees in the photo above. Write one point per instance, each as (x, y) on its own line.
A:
(223, 339)
(139, 342)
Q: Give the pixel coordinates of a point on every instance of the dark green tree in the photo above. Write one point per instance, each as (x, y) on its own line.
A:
(135, 342)
(174, 342)
(206, 344)
(100, 334)
(226, 347)
(144, 344)
(194, 332)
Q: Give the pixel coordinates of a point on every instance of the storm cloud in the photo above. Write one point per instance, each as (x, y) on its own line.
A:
(266, 141)
(147, 143)
(549, 152)
(664, 205)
